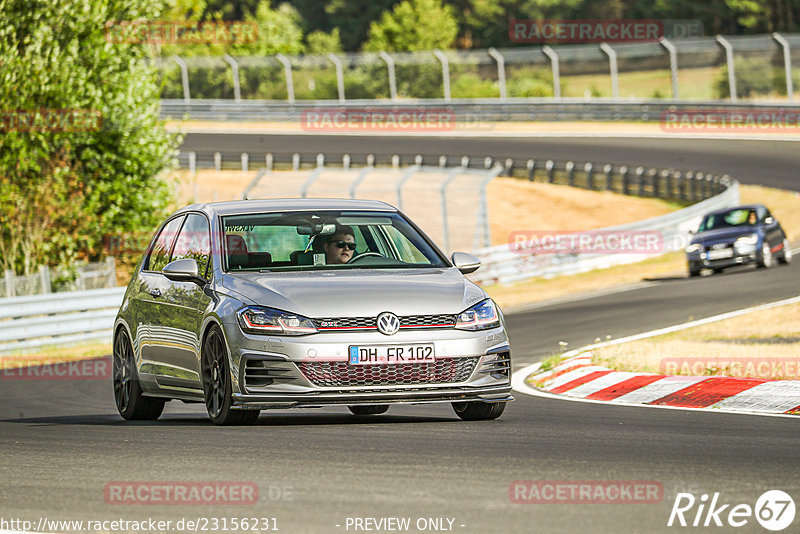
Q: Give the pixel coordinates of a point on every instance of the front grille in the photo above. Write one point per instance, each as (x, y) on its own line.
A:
(342, 374)
(370, 323)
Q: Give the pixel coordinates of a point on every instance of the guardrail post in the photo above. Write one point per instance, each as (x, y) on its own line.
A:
(570, 168)
(237, 93)
(731, 71)
(501, 70)
(640, 181)
(44, 277)
(690, 185)
(217, 161)
(656, 190)
(445, 72)
(10, 283)
(287, 71)
(184, 76)
(245, 161)
(339, 75)
(673, 65)
(678, 177)
(787, 64)
(509, 167)
(442, 161)
(607, 171)
(554, 66)
(668, 185)
(550, 167)
(395, 162)
(589, 170)
(465, 161)
(487, 163)
(418, 160)
(392, 78)
(295, 162)
(612, 64)
(623, 173)
(269, 161)
(370, 160)
(192, 161)
(320, 160)
(111, 267)
(531, 170)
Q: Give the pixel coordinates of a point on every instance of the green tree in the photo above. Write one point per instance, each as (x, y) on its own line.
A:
(414, 25)
(64, 184)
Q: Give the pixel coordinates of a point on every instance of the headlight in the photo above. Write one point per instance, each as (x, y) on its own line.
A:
(479, 317)
(255, 320)
(751, 239)
(693, 248)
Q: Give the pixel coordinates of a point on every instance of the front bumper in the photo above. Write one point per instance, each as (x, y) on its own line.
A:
(738, 258)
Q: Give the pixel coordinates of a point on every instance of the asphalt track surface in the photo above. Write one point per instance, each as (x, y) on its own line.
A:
(61, 441)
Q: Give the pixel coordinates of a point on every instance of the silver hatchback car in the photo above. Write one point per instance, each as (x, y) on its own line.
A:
(258, 304)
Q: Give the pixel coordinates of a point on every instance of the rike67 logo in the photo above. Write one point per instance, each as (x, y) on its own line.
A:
(774, 510)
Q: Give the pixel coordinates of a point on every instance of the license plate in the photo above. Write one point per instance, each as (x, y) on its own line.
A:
(391, 354)
(720, 254)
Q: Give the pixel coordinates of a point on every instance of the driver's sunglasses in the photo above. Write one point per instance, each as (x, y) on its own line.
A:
(343, 244)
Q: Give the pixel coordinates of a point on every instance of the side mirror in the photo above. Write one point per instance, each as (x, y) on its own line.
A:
(466, 263)
(182, 271)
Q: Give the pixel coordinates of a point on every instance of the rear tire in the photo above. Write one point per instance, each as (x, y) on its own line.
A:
(786, 257)
(131, 403)
(217, 386)
(478, 411)
(765, 258)
(375, 409)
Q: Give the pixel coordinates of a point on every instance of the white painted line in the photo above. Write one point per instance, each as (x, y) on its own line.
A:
(659, 388)
(772, 397)
(598, 384)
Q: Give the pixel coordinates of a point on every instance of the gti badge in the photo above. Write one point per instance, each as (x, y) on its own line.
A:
(388, 323)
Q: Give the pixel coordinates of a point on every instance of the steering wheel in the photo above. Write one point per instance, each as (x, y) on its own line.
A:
(365, 255)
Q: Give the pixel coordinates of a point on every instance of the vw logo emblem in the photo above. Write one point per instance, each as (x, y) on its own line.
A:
(388, 323)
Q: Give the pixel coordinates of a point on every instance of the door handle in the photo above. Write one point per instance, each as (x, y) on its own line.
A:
(155, 293)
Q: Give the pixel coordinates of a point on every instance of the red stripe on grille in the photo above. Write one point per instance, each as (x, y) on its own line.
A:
(707, 392)
(626, 386)
(578, 381)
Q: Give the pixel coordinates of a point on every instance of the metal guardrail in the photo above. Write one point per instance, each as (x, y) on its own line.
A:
(466, 113)
(500, 264)
(58, 318)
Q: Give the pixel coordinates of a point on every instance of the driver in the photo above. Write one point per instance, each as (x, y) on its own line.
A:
(340, 246)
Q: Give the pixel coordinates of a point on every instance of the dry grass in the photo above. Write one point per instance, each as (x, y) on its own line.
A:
(732, 347)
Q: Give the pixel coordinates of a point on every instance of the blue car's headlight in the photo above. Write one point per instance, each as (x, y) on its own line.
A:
(693, 248)
(747, 240)
(479, 317)
(257, 320)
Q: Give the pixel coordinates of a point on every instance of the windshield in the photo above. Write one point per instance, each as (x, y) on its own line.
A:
(323, 240)
(738, 217)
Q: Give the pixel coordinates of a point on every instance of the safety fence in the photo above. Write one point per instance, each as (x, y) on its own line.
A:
(696, 68)
(48, 280)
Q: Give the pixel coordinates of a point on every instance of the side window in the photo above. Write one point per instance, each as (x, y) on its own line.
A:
(159, 256)
(194, 242)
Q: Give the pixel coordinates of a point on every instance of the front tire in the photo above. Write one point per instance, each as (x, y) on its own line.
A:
(786, 256)
(765, 258)
(131, 403)
(375, 409)
(694, 271)
(478, 411)
(217, 387)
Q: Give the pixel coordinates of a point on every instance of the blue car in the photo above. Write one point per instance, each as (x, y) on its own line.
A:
(737, 236)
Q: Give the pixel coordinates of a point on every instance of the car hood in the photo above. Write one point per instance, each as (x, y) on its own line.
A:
(723, 235)
(359, 293)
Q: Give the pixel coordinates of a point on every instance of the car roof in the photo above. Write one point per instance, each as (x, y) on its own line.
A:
(742, 207)
(236, 207)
